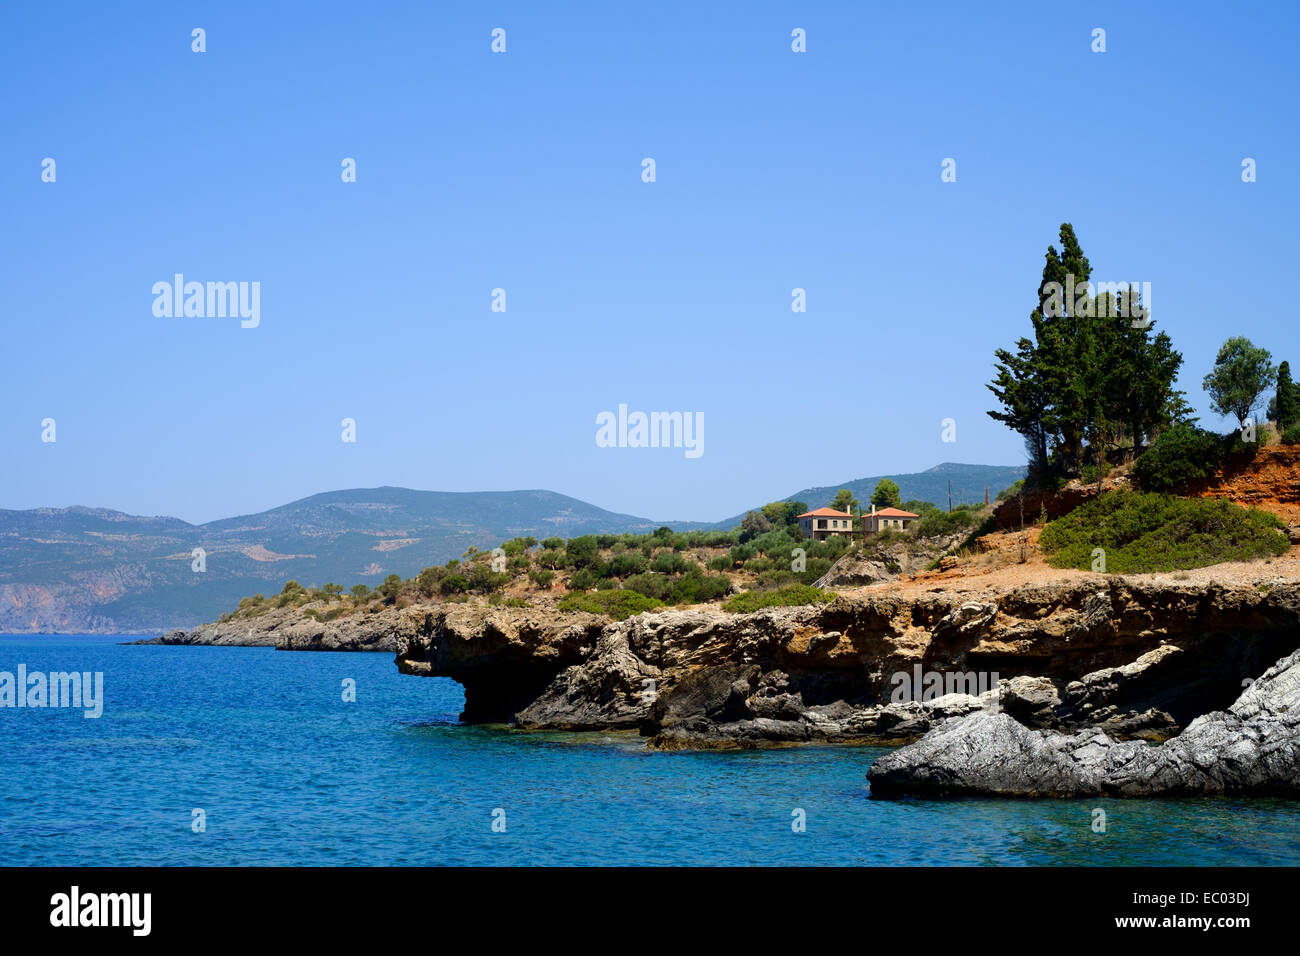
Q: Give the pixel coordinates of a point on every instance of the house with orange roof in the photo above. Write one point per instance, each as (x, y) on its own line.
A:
(883, 518)
(826, 523)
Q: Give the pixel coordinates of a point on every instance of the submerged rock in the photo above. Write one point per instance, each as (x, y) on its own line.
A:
(1251, 748)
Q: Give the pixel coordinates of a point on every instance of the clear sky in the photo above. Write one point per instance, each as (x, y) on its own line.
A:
(523, 171)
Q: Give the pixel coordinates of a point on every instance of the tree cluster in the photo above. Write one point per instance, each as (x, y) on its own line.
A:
(1093, 379)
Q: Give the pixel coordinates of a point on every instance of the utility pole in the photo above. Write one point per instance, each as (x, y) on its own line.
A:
(950, 496)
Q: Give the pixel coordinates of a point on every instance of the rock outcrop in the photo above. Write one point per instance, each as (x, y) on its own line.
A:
(1252, 748)
(505, 658)
(886, 562)
(287, 629)
(1137, 659)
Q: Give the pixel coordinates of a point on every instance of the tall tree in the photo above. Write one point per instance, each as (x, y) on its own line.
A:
(1065, 331)
(1093, 377)
(1287, 402)
(886, 495)
(1241, 374)
(1020, 389)
(845, 501)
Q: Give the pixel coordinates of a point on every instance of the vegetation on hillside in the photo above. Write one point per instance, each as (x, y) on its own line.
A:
(1093, 388)
(789, 596)
(1130, 532)
(611, 574)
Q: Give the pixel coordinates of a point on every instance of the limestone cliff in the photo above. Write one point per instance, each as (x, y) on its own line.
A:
(1139, 659)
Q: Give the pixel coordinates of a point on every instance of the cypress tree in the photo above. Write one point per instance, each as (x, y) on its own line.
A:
(1088, 376)
(1288, 398)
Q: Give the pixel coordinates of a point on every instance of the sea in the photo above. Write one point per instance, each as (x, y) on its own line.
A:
(216, 756)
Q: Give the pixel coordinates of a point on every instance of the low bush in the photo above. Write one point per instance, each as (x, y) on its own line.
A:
(1181, 454)
(1140, 532)
(789, 596)
(669, 562)
(619, 605)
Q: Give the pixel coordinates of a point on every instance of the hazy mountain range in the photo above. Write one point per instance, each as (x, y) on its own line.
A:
(77, 570)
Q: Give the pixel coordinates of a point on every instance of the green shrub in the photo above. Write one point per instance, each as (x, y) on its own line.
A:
(453, 584)
(427, 580)
(1181, 454)
(814, 569)
(583, 579)
(669, 562)
(775, 579)
(553, 544)
(938, 523)
(484, 580)
(582, 552)
(695, 587)
(628, 563)
(742, 553)
(391, 587)
(542, 577)
(1143, 531)
(552, 558)
(619, 604)
(650, 584)
(1292, 435)
(788, 596)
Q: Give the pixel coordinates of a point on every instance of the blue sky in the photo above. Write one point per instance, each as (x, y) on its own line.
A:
(522, 171)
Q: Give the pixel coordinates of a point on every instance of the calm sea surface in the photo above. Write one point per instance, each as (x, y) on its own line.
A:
(287, 772)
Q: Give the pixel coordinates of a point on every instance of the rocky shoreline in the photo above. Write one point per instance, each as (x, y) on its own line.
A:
(1135, 660)
(1082, 675)
(1252, 749)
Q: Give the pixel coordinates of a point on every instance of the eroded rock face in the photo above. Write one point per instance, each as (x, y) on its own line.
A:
(1251, 748)
(885, 562)
(506, 659)
(287, 630)
(1139, 660)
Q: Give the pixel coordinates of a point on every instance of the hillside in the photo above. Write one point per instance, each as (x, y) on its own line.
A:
(968, 484)
(91, 569)
(79, 569)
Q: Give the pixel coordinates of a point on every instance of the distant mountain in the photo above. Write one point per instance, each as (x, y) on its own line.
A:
(77, 570)
(968, 484)
(69, 570)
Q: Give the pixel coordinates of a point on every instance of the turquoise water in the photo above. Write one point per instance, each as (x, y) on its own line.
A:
(286, 772)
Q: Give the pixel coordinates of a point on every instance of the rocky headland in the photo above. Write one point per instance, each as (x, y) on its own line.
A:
(1135, 659)
(1045, 682)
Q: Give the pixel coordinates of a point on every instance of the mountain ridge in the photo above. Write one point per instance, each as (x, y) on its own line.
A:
(84, 569)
